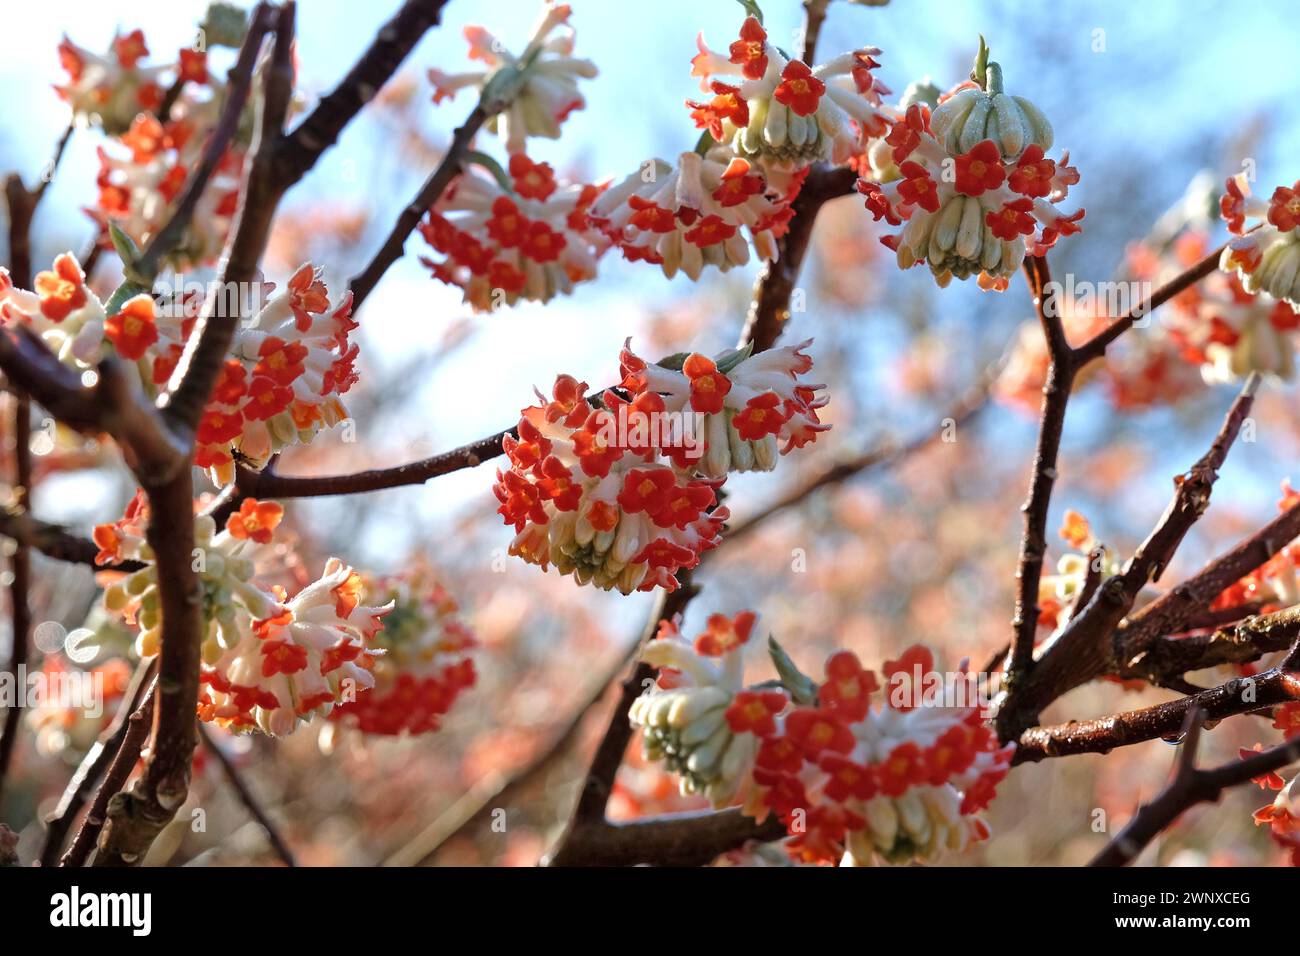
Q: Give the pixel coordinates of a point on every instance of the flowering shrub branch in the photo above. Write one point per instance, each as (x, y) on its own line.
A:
(620, 488)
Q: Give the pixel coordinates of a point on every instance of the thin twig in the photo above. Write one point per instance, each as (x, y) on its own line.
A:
(55, 541)
(496, 790)
(246, 797)
(450, 167)
(301, 148)
(1189, 787)
(1170, 657)
(1096, 346)
(814, 15)
(1277, 685)
(205, 350)
(168, 239)
(92, 767)
(1172, 611)
(22, 203)
(770, 309)
(124, 762)
(1083, 651)
(1033, 541)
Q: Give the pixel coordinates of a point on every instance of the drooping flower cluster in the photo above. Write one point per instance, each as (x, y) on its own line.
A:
(972, 182)
(1218, 324)
(752, 406)
(425, 663)
(901, 781)
(620, 490)
(533, 240)
(289, 366)
(269, 661)
(546, 75)
(111, 90)
(143, 172)
(610, 509)
(705, 211)
(1267, 255)
(783, 115)
(155, 139)
(290, 362)
(733, 192)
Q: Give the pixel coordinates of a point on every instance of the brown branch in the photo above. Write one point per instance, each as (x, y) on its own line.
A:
(124, 761)
(168, 239)
(1170, 657)
(262, 485)
(301, 148)
(55, 541)
(205, 351)
(94, 764)
(1096, 346)
(683, 839)
(1175, 609)
(770, 309)
(1278, 685)
(169, 100)
(450, 167)
(1082, 651)
(814, 15)
(112, 404)
(137, 816)
(1100, 613)
(246, 797)
(1189, 787)
(1033, 541)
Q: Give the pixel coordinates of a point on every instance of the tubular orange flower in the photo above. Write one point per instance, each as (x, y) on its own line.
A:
(799, 89)
(133, 329)
(255, 520)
